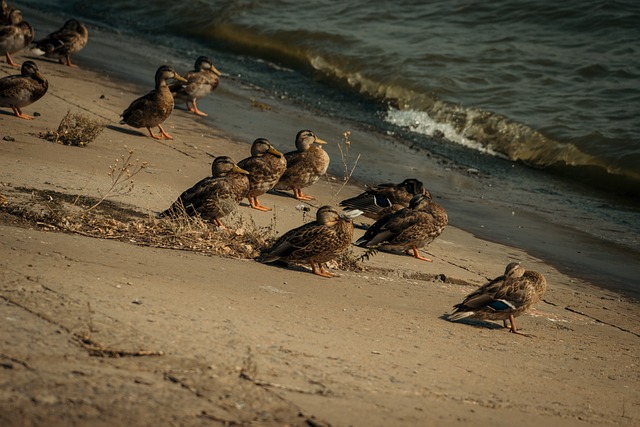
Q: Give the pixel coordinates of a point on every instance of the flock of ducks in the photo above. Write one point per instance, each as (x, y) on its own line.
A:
(406, 217)
(21, 90)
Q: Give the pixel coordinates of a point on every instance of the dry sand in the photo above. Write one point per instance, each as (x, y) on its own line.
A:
(213, 340)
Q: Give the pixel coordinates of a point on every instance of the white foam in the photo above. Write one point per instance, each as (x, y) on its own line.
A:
(420, 122)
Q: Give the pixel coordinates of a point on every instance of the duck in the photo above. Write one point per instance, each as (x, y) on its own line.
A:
(383, 199)
(305, 165)
(15, 35)
(5, 13)
(216, 196)
(505, 297)
(203, 80)
(61, 44)
(315, 242)
(23, 89)
(155, 107)
(265, 166)
(408, 229)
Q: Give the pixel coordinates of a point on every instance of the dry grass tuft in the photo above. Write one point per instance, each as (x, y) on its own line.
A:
(109, 220)
(348, 261)
(370, 252)
(75, 129)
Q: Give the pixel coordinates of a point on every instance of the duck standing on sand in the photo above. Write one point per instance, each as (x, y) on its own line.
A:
(155, 107)
(70, 39)
(265, 166)
(23, 89)
(214, 197)
(15, 35)
(305, 166)
(505, 297)
(315, 242)
(384, 199)
(200, 82)
(407, 229)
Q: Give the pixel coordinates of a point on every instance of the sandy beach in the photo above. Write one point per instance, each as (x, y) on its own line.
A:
(110, 331)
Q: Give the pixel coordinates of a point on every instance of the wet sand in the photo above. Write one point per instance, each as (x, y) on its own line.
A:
(218, 340)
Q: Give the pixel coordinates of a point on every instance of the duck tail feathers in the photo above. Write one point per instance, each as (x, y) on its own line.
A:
(458, 315)
(37, 51)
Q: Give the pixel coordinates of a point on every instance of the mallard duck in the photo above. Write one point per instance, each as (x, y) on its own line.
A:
(504, 297)
(155, 107)
(23, 89)
(407, 229)
(15, 36)
(200, 82)
(315, 242)
(384, 199)
(305, 166)
(5, 13)
(265, 166)
(71, 38)
(214, 197)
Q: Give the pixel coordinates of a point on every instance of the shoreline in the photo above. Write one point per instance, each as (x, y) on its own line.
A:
(473, 199)
(245, 343)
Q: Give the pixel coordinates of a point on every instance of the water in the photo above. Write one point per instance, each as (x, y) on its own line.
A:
(536, 101)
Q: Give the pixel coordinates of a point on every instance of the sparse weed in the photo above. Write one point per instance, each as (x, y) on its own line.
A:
(122, 172)
(345, 147)
(370, 252)
(347, 260)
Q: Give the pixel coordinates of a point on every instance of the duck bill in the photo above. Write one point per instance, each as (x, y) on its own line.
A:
(320, 141)
(216, 71)
(179, 78)
(275, 152)
(40, 77)
(238, 169)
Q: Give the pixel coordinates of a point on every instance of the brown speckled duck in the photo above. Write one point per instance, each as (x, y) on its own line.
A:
(155, 107)
(407, 229)
(5, 13)
(265, 166)
(15, 35)
(200, 82)
(384, 199)
(61, 44)
(214, 197)
(315, 242)
(504, 297)
(24, 89)
(305, 166)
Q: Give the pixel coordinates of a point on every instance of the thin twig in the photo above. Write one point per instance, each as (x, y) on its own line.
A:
(120, 173)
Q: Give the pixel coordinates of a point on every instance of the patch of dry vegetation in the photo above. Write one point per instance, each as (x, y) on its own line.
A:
(345, 147)
(48, 211)
(101, 218)
(75, 129)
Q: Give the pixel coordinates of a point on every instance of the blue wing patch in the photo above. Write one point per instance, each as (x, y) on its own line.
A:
(500, 305)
